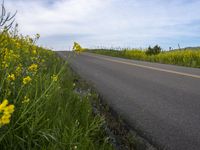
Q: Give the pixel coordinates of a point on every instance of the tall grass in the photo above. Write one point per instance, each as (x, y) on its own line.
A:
(189, 57)
(47, 113)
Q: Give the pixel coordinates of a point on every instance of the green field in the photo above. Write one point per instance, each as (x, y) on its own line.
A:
(186, 57)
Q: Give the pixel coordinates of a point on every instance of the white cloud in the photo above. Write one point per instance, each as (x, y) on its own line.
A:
(109, 22)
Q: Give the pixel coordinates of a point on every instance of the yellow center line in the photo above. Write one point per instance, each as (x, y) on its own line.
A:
(148, 67)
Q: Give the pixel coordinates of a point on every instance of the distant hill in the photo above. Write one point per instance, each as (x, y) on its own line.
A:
(188, 48)
(193, 48)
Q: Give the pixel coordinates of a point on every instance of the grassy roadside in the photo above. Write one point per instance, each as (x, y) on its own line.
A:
(38, 106)
(189, 57)
(121, 135)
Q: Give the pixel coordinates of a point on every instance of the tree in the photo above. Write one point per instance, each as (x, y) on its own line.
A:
(153, 51)
(6, 19)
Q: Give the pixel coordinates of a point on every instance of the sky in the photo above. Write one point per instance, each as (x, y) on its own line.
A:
(109, 23)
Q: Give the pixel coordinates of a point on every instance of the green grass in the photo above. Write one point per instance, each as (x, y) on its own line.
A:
(48, 113)
(188, 57)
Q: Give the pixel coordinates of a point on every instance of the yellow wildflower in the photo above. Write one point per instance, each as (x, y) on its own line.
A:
(54, 78)
(3, 105)
(11, 77)
(9, 109)
(18, 45)
(6, 115)
(18, 70)
(33, 67)
(4, 64)
(4, 120)
(26, 100)
(34, 52)
(26, 80)
(5, 112)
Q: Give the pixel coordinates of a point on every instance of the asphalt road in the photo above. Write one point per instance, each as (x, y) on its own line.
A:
(162, 101)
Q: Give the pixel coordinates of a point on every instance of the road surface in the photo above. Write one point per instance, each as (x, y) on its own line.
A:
(162, 101)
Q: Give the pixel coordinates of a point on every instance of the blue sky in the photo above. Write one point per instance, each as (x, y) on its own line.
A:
(109, 23)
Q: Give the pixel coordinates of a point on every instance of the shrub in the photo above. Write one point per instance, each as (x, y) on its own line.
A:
(153, 51)
(77, 47)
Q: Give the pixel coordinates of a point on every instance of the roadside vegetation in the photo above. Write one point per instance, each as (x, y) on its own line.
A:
(39, 108)
(184, 57)
(77, 48)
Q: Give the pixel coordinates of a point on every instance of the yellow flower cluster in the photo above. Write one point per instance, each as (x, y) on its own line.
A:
(5, 112)
(18, 70)
(26, 99)
(8, 56)
(34, 50)
(77, 48)
(54, 78)
(26, 80)
(33, 68)
(4, 64)
(11, 77)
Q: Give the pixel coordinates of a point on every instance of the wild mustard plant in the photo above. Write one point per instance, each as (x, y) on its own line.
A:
(11, 77)
(26, 80)
(188, 57)
(33, 68)
(77, 48)
(38, 107)
(5, 112)
(54, 78)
